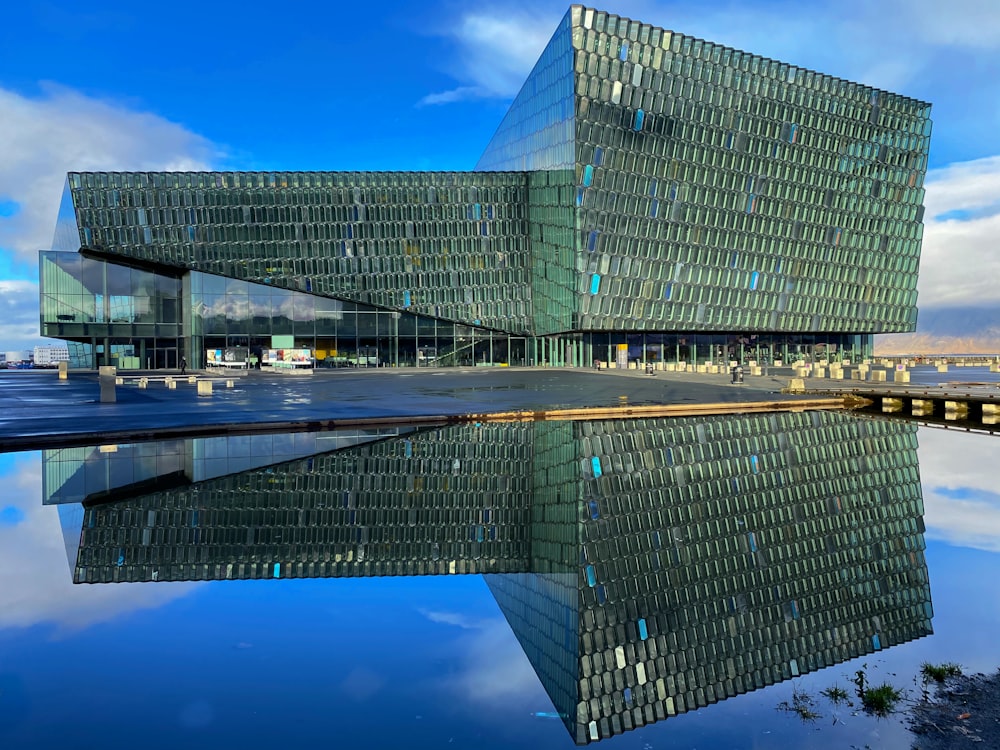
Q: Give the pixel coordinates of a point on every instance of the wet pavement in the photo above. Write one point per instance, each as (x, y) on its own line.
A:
(36, 406)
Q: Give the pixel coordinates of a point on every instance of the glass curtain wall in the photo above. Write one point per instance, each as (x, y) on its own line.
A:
(116, 315)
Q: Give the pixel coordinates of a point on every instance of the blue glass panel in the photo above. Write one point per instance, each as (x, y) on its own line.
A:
(623, 52)
(753, 541)
(594, 510)
(639, 117)
(598, 156)
(406, 299)
(652, 208)
(595, 464)
(876, 642)
(592, 240)
(627, 693)
(643, 630)
(754, 279)
(591, 576)
(588, 175)
(579, 196)
(670, 291)
(602, 594)
(755, 464)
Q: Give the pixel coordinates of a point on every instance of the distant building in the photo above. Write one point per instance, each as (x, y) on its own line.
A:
(648, 196)
(17, 356)
(50, 356)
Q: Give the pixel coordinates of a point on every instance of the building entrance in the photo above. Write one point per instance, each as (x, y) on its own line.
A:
(165, 358)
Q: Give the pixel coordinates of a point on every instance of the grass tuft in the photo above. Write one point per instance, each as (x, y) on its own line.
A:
(801, 705)
(836, 695)
(881, 700)
(940, 672)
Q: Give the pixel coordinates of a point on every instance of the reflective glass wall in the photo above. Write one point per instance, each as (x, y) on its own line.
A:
(720, 190)
(227, 313)
(647, 567)
(452, 246)
(128, 317)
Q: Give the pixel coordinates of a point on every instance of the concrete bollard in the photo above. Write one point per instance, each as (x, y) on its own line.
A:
(192, 379)
(143, 382)
(63, 370)
(229, 384)
(172, 384)
(878, 376)
(204, 387)
(836, 373)
(755, 369)
(167, 381)
(107, 377)
(891, 405)
(901, 376)
(819, 372)
(796, 385)
(942, 368)
(119, 381)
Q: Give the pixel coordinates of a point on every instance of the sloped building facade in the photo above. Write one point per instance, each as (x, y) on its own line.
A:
(648, 196)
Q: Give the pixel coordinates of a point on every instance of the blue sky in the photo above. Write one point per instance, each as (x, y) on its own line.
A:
(407, 85)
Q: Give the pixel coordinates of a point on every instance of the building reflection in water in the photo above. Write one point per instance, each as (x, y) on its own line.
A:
(647, 567)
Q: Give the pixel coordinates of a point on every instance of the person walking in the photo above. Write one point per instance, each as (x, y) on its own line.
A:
(184, 364)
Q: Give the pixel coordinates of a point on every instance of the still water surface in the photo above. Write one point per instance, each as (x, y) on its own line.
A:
(640, 584)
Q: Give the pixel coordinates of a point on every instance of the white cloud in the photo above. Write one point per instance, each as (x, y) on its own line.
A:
(966, 186)
(35, 581)
(19, 312)
(959, 259)
(495, 52)
(44, 137)
(961, 503)
(451, 618)
(488, 647)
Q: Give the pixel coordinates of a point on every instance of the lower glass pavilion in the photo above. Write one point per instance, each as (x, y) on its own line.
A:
(648, 197)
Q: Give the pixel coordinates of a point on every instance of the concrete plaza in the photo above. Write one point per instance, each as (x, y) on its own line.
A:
(36, 408)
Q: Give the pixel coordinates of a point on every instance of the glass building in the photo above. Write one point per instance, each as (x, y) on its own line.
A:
(649, 196)
(647, 567)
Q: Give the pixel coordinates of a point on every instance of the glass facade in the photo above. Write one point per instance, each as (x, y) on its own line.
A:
(647, 567)
(646, 189)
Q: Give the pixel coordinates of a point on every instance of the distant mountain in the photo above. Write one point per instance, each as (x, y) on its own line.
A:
(947, 330)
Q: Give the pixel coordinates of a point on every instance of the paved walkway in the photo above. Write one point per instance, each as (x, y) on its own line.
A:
(36, 404)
